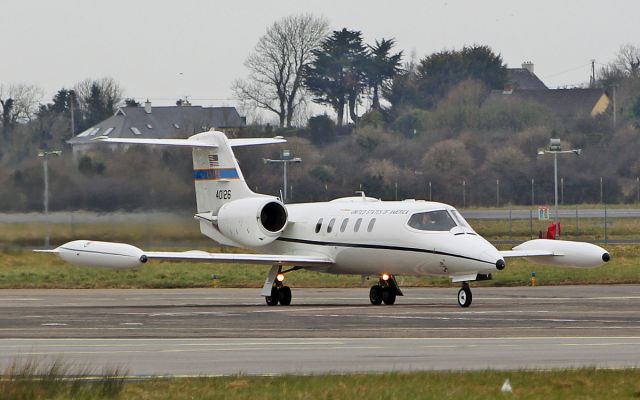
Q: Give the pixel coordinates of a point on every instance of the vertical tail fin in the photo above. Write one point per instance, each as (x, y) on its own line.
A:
(216, 173)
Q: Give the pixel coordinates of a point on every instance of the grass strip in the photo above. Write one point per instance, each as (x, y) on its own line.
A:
(587, 383)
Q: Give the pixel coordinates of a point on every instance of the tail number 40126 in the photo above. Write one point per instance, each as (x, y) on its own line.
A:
(223, 194)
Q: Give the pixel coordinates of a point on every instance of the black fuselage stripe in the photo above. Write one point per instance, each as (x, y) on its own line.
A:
(380, 247)
(96, 252)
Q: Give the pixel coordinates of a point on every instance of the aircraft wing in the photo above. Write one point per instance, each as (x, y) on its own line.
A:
(120, 255)
(269, 259)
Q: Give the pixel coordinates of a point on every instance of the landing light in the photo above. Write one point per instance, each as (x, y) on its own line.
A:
(280, 277)
(385, 277)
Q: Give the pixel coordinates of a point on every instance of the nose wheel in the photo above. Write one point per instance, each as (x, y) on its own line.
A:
(464, 295)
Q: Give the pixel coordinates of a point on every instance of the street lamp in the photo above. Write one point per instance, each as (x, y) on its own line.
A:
(555, 149)
(285, 158)
(45, 164)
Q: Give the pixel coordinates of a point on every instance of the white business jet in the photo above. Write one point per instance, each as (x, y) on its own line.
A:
(353, 235)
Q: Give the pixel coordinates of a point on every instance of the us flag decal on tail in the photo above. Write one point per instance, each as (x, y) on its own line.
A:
(213, 160)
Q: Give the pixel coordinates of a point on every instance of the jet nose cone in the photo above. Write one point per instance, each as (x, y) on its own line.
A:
(606, 257)
(500, 264)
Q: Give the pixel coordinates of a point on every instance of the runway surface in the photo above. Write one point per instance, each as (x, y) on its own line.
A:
(225, 331)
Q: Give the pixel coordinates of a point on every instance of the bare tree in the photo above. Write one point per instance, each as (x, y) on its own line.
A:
(110, 92)
(628, 60)
(97, 99)
(20, 102)
(277, 63)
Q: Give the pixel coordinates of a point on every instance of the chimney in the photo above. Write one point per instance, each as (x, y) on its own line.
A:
(528, 65)
(147, 107)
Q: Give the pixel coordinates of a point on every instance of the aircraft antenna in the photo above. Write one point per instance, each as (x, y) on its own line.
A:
(361, 192)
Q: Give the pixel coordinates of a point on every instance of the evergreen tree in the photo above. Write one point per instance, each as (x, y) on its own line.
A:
(439, 72)
(381, 67)
(336, 77)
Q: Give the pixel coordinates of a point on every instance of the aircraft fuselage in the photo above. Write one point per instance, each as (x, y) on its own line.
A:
(372, 237)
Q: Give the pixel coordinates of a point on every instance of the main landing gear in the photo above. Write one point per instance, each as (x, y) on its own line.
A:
(464, 295)
(385, 291)
(274, 290)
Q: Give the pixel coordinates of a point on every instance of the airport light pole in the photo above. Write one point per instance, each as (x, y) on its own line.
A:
(45, 164)
(555, 149)
(285, 158)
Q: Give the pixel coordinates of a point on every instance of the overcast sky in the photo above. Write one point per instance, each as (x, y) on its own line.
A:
(164, 50)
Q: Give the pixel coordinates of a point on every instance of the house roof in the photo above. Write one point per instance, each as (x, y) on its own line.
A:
(162, 122)
(523, 79)
(566, 102)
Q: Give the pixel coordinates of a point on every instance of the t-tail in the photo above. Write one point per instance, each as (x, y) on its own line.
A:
(219, 184)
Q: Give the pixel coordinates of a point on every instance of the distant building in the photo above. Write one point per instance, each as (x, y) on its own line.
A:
(524, 78)
(160, 122)
(523, 84)
(568, 103)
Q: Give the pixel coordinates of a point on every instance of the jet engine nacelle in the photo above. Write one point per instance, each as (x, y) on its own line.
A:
(253, 221)
(566, 253)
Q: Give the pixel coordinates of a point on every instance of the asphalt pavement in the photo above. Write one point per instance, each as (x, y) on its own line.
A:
(226, 331)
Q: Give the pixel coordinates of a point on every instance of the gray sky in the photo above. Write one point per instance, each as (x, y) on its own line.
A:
(163, 49)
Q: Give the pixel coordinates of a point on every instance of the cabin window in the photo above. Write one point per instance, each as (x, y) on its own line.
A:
(330, 226)
(371, 224)
(356, 227)
(439, 220)
(319, 225)
(343, 227)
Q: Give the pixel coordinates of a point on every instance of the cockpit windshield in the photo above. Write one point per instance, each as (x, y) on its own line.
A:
(460, 219)
(438, 220)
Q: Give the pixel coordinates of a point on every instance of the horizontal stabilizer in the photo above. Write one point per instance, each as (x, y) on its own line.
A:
(256, 141)
(200, 141)
(157, 142)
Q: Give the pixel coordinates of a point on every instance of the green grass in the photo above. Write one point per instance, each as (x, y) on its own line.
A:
(560, 384)
(26, 269)
(55, 379)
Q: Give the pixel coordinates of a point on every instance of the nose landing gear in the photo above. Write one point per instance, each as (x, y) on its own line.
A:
(385, 291)
(464, 295)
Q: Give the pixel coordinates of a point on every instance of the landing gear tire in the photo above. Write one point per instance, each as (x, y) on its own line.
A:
(388, 296)
(464, 297)
(375, 295)
(273, 299)
(284, 296)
